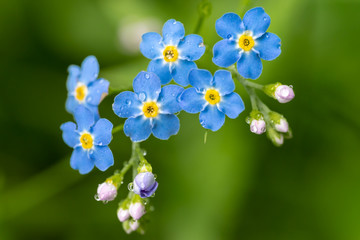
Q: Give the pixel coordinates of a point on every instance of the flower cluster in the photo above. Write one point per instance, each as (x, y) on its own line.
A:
(153, 106)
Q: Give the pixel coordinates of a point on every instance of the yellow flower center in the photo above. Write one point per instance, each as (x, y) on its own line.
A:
(212, 96)
(150, 109)
(86, 141)
(246, 42)
(170, 54)
(80, 92)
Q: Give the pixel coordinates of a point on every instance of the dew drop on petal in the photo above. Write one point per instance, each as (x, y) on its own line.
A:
(142, 96)
(147, 76)
(128, 101)
(291, 86)
(131, 186)
(228, 36)
(153, 195)
(105, 202)
(265, 18)
(97, 198)
(201, 45)
(155, 176)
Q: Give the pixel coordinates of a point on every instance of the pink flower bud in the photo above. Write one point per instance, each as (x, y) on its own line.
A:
(283, 126)
(123, 214)
(106, 192)
(279, 140)
(134, 225)
(258, 126)
(284, 94)
(136, 210)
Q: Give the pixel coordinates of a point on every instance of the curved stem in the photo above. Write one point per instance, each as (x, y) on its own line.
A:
(117, 129)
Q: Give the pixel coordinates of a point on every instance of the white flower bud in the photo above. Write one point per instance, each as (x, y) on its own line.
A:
(258, 126)
(284, 93)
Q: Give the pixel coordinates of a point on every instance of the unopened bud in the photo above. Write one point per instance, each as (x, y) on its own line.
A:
(282, 126)
(126, 226)
(276, 137)
(136, 208)
(258, 126)
(134, 225)
(123, 214)
(144, 184)
(106, 191)
(284, 94)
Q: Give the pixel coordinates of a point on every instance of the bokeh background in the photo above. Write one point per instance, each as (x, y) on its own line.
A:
(237, 185)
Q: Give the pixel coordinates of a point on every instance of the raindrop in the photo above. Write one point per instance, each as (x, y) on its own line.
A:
(146, 201)
(144, 153)
(147, 76)
(131, 186)
(201, 45)
(153, 195)
(291, 86)
(121, 182)
(97, 198)
(228, 36)
(267, 36)
(265, 18)
(100, 143)
(248, 120)
(174, 22)
(155, 176)
(142, 96)
(128, 101)
(202, 89)
(105, 202)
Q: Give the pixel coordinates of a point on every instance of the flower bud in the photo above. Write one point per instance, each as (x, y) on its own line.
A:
(282, 126)
(258, 126)
(136, 209)
(144, 184)
(134, 225)
(106, 191)
(276, 137)
(123, 214)
(126, 227)
(284, 93)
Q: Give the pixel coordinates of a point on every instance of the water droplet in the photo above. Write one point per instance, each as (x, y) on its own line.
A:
(265, 18)
(202, 89)
(155, 176)
(131, 186)
(144, 153)
(105, 202)
(97, 198)
(291, 86)
(146, 201)
(100, 143)
(201, 45)
(229, 36)
(267, 36)
(128, 101)
(142, 96)
(174, 22)
(248, 120)
(147, 76)
(121, 182)
(91, 151)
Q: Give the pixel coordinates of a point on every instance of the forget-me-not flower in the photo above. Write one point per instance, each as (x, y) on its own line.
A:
(173, 54)
(245, 42)
(149, 109)
(84, 88)
(89, 138)
(213, 97)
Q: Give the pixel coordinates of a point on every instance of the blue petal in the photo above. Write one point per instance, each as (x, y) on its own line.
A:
(80, 161)
(149, 192)
(147, 85)
(127, 104)
(257, 21)
(94, 109)
(71, 104)
(191, 48)
(89, 69)
(249, 65)
(165, 125)
(229, 26)
(151, 45)
(191, 101)
(74, 73)
(102, 132)
(172, 32)
(223, 82)
(168, 99)
(226, 53)
(138, 129)
(181, 71)
(211, 118)
(102, 157)
(84, 118)
(232, 105)
(70, 135)
(200, 79)
(161, 68)
(268, 46)
(96, 90)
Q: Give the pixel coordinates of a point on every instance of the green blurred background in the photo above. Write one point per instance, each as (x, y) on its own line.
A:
(237, 185)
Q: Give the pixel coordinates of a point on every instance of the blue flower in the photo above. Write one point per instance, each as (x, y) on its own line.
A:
(173, 54)
(145, 184)
(245, 42)
(84, 89)
(150, 109)
(213, 97)
(89, 140)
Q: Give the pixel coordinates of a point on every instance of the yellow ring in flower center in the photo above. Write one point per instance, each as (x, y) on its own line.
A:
(171, 54)
(80, 92)
(212, 96)
(150, 109)
(246, 42)
(86, 141)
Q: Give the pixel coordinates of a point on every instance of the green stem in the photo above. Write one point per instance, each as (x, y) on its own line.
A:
(204, 10)
(243, 6)
(199, 24)
(117, 129)
(249, 90)
(254, 85)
